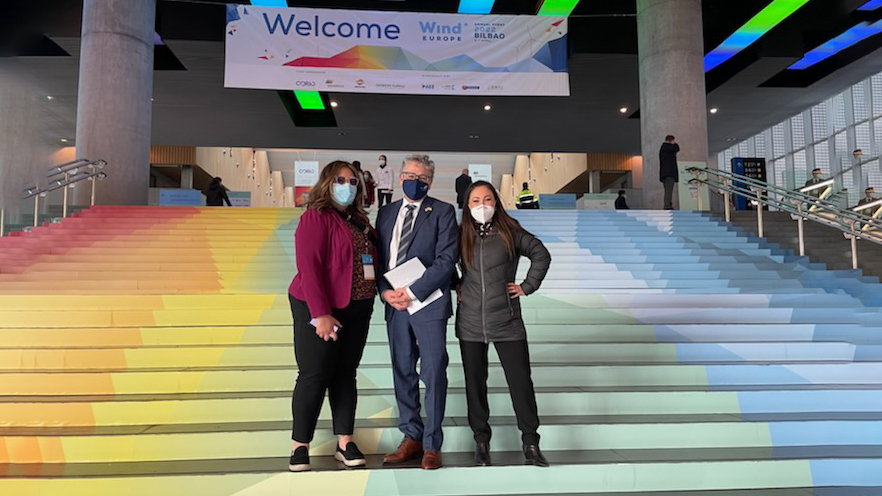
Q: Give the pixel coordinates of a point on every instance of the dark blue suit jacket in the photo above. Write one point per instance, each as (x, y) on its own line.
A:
(435, 243)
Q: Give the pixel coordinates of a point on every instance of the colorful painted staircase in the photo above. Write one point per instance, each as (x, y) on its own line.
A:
(148, 350)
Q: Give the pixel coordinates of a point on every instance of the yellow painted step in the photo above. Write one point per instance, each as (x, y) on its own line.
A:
(134, 336)
(53, 302)
(102, 276)
(142, 302)
(110, 287)
(142, 318)
(160, 258)
(138, 358)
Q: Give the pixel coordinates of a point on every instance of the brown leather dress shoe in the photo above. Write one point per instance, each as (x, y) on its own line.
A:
(431, 460)
(407, 450)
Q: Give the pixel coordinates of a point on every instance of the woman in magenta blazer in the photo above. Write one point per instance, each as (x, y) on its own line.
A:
(332, 298)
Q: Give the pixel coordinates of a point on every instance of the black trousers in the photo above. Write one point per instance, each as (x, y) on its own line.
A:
(384, 197)
(669, 183)
(327, 366)
(515, 358)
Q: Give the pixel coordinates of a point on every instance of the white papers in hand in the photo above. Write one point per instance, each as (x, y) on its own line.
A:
(406, 274)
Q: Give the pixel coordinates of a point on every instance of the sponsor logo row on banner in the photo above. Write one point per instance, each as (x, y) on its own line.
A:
(345, 84)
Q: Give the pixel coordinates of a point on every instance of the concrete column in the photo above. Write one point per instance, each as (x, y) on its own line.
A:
(24, 152)
(672, 92)
(594, 182)
(113, 106)
(186, 177)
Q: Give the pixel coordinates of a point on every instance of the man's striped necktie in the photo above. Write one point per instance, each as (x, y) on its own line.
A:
(406, 234)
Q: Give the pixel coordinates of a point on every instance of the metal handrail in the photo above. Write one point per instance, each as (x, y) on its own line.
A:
(71, 174)
(61, 183)
(853, 223)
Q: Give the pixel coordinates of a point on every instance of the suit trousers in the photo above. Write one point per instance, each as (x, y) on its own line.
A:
(515, 358)
(669, 183)
(426, 342)
(327, 366)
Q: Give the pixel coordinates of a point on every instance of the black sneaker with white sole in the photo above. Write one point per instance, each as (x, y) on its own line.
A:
(299, 461)
(351, 456)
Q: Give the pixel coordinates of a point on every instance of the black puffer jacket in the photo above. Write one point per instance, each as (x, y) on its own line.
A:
(486, 311)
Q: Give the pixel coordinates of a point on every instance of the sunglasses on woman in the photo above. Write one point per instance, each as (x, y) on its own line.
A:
(352, 181)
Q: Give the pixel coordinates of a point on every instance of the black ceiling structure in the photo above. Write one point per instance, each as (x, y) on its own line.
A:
(753, 90)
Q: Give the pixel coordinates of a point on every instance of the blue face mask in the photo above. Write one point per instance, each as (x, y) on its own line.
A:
(344, 194)
(415, 189)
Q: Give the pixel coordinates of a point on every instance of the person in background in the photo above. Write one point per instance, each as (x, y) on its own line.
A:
(370, 187)
(868, 196)
(527, 200)
(424, 228)
(369, 184)
(332, 298)
(357, 165)
(462, 184)
(621, 202)
(216, 194)
(816, 178)
(384, 183)
(669, 173)
(489, 311)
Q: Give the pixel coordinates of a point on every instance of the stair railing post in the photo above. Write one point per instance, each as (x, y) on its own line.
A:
(37, 210)
(759, 212)
(727, 199)
(92, 200)
(854, 255)
(698, 189)
(65, 195)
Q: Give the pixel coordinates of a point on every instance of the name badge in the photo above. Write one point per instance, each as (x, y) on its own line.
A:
(367, 261)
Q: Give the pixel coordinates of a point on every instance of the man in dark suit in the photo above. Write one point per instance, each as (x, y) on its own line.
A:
(462, 184)
(868, 198)
(425, 228)
(816, 178)
(668, 172)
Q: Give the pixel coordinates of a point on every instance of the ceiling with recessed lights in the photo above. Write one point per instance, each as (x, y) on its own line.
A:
(767, 59)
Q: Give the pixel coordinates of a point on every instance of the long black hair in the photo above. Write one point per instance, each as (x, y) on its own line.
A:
(503, 223)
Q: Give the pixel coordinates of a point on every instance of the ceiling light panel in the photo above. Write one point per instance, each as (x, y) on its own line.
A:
(760, 24)
(831, 47)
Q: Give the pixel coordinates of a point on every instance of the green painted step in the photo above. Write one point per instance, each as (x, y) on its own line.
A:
(281, 334)
(589, 377)
(378, 404)
(74, 359)
(561, 479)
(146, 446)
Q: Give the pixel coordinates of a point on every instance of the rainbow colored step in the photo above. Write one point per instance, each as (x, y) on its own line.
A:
(147, 350)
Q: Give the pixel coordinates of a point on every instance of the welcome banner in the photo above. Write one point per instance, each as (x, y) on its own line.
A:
(395, 52)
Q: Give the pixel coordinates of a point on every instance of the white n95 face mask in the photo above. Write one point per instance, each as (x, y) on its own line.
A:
(483, 213)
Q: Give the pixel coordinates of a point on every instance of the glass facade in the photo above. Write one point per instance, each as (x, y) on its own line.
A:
(824, 136)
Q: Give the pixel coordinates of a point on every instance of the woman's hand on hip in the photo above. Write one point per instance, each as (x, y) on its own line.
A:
(325, 327)
(515, 290)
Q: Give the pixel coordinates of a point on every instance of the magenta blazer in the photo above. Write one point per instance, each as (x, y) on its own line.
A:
(323, 247)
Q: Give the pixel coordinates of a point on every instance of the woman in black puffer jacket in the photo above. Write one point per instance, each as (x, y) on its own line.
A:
(489, 311)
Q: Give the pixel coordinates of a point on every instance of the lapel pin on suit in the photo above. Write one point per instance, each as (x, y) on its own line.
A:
(428, 209)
